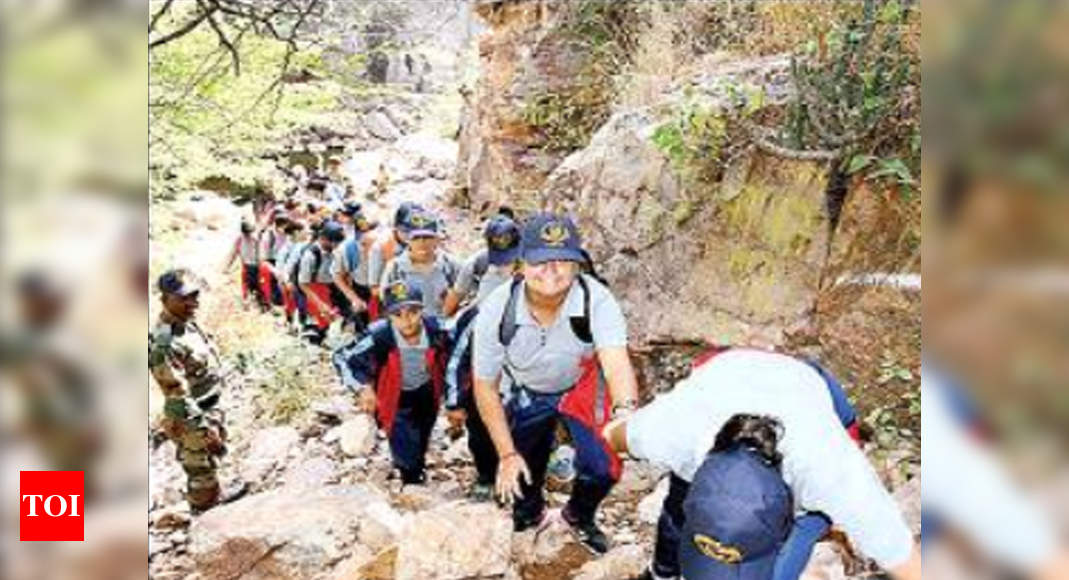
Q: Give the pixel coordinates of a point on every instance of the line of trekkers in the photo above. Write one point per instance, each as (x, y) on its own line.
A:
(522, 343)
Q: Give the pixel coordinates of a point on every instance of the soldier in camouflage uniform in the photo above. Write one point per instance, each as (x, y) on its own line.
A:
(186, 365)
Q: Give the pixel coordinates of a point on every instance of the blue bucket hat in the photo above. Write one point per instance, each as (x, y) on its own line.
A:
(549, 237)
(739, 512)
(401, 293)
(502, 240)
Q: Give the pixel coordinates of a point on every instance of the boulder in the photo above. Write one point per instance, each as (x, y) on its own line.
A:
(286, 532)
(625, 561)
(313, 472)
(269, 448)
(455, 541)
(356, 436)
(753, 243)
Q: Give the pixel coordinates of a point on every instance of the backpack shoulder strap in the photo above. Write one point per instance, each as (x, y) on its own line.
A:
(352, 253)
(482, 264)
(317, 258)
(506, 330)
(581, 324)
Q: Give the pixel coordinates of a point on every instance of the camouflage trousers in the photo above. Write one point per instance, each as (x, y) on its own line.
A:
(199, 444)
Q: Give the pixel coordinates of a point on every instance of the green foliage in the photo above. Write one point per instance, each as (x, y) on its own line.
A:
(567, 120)
(693, 140)
(858, 86)
(206, 121)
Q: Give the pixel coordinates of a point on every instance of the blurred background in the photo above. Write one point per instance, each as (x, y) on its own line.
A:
(74, 306)
(995, 263)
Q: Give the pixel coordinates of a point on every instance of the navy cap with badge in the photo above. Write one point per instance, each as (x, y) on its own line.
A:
(401, 293)
(739, 512)
(404, 210)
(502, 240)
(551, 237)
(423, 224)
(178, 282)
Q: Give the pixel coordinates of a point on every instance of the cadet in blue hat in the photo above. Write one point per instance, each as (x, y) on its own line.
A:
(397, 372)
(424, 263)
(488, 268)
(351, 268)
(739, 509)
(316, 280)
(829, 478)
(384, 250)
(555, 342)
(497, 264)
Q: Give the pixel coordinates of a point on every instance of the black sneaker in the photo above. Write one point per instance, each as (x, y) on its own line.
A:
(589, 534)
(521, 524)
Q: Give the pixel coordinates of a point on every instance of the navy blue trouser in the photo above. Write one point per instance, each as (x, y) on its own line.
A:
(411, 432)
(533, 420)
(805, 533)
(480, 444)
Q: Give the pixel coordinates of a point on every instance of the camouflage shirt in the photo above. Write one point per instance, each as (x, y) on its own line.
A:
(186, 365)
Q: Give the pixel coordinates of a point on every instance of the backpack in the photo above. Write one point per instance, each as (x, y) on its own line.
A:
(506, 330)
(352, 254)
(317, 254)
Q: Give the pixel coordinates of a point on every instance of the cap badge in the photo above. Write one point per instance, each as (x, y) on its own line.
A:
(502, 241)
(554, 234)
(717, 551)
(399, 291)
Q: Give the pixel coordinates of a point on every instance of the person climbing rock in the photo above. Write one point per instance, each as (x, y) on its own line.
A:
(555, 342)
(827, 475)
(316, 281)
(480, 275)
(246, 247)
(392, 242)
(350, 269)
(424, 263)
(397, 372)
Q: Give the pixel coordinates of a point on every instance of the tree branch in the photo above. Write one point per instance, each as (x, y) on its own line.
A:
(159, 14)
(234, 56)
(183, 30)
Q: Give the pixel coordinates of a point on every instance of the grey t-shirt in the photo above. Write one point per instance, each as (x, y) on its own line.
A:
(323, 275)
(433, 282)
(493, 277)
(357, 273)
(544, 359)
(414, 371)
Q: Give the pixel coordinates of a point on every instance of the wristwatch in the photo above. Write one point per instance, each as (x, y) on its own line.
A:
(622, 408)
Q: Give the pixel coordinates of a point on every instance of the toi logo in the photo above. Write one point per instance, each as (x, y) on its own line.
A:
(51, 506)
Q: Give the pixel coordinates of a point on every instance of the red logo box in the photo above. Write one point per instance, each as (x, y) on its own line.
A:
(51, 506)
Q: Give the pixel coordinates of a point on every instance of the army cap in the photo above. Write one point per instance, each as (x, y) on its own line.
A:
(178, 282)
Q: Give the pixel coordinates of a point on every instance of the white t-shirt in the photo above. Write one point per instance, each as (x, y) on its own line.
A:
(824, 468)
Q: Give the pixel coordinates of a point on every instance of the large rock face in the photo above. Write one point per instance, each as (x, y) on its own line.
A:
(287, 532)
(731, 262)
(524, 53)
